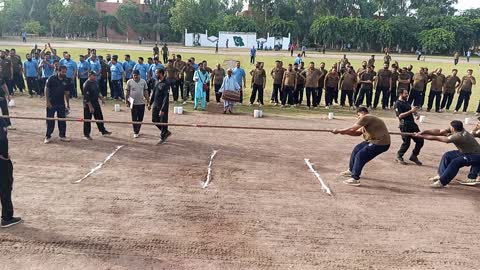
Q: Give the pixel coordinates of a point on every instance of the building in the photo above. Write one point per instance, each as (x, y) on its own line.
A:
(110, 7)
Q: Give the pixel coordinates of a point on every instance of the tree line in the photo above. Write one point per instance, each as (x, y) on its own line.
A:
(433, 26)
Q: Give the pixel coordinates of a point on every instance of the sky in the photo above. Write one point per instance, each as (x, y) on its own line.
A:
(466, 4)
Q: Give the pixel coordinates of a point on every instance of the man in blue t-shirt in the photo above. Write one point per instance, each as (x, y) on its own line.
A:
(116, 71)
(240, 76)
(253, 54)
(95, 66)
(47, 68)
(71, 75)
(153, 67)
(128, 67)
(30, 69)
(142, 68)
(83, 70)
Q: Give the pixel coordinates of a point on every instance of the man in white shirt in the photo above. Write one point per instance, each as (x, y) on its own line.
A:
(137, 94)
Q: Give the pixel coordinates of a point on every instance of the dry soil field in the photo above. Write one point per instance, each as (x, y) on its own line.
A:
(146, 209)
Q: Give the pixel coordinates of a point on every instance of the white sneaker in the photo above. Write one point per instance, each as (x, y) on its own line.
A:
(64, 139)
(184, 103)
(433, 179)
(455, 111)
(47, 140)
(11, 128)
(136, 135)
(346, 173)
(327, 108)
(352, 182)
(87, 138)
(477, 114)
(470, 182)
(437, 184)
(260, 105)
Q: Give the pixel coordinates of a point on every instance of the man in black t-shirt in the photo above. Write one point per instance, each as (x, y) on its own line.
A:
(6, 180)
(159, 100)
(405, 114)
(91, 106)
(4, 99)
(56, 94)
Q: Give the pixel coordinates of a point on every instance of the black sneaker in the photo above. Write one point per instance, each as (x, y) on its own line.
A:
(106, 133)
(415, 160)
(11, 222)
(400, 160)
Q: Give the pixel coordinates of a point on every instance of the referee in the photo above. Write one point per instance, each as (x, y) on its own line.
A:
(6, 180)
(405, 114)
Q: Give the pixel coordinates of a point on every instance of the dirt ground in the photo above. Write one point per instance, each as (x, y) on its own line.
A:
(146, 209)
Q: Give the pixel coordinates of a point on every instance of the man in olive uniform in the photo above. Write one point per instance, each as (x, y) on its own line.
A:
(331, 85)
(452, 83)
(180, 66)
(277, 76)
(218, 74)
(405, 114)
(360, 71)
(321, 82)
(298, 91)
(159, 100)
(6, 71)
(189, 71)
(311, 77)
(17, 68)
(348, 83)
(289, 83)
(91, 106)
(438, 80)
(366, 80)
(465, 91)
(384, 86)
(259, 79)
(394, 89)
(416, 93)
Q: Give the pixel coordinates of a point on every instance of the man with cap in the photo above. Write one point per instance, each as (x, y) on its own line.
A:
(91, 106)
(160, 101)
(57, 94)
(137, 89)
(6, 180)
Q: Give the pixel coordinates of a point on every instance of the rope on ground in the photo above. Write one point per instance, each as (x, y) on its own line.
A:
(209, 170)
(325, 188)
(180, 125)
(99, 166)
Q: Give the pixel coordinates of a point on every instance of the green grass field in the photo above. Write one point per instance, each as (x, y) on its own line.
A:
(269, 61)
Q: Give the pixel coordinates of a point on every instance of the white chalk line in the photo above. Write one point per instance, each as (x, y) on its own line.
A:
(209, 170)
(99, 166)
(325, 188)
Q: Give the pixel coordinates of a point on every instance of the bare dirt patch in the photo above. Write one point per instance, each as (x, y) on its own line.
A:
(146, 209)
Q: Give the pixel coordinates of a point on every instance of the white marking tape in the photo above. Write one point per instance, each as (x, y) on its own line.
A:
(324, 186)
(209, 171)
(99, 166)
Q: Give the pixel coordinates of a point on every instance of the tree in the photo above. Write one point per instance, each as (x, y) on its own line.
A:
(324, 29)
(13, 16)
(109, 21)
(128, 16)
(158, 16)
(239, 24)
(33, 27)
(437, 40)
(280, 27)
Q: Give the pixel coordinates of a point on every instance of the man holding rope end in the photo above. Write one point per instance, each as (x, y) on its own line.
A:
(377, 141)
(160, 101)
(6, 180)
(468, 154)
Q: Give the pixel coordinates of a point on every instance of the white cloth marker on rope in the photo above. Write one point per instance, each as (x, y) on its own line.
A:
(99, 166)
(324, 186)
(209, 171)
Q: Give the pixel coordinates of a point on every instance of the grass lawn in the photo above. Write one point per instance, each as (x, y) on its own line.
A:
(269, 61)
